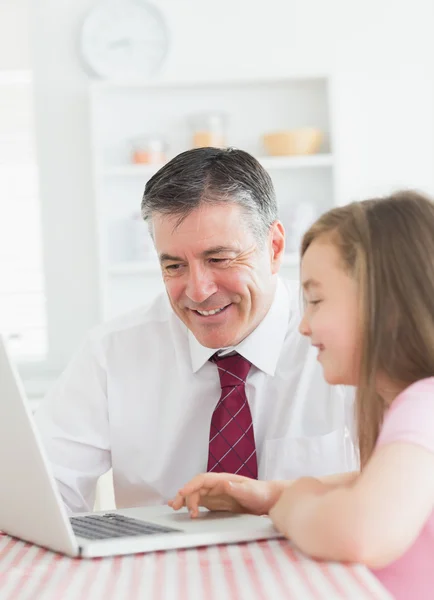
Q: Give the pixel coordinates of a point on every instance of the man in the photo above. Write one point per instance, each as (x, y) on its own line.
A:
(213, 375)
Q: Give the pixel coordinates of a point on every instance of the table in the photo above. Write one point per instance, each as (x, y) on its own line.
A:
(256, 571)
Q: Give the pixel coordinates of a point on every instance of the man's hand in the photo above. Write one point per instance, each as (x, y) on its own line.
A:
(227, 492)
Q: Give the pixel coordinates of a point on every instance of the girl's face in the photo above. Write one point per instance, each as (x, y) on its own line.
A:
(331, 317)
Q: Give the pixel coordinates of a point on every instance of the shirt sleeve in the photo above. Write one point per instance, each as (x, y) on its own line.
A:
(74, 426)
(411, 417)
(351, 438)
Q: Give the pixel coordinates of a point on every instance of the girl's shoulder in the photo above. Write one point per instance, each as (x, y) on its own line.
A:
(420, 391)
(411, 416)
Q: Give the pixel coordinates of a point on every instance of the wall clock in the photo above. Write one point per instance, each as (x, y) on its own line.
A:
(124, 39)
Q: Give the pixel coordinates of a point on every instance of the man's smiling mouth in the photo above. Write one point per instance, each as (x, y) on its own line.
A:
(209, 313)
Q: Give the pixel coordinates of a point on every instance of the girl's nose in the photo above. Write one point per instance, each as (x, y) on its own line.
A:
(304, 327)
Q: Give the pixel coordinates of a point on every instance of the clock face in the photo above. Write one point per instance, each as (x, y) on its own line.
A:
(124, 39)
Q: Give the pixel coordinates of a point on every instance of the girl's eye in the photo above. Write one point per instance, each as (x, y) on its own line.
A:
(314, 302)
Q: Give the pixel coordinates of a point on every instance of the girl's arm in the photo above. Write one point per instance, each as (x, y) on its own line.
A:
(234, 493)
(339, 478)
(373, 521)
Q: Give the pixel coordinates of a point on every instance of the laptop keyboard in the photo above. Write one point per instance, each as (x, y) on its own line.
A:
(110, 525)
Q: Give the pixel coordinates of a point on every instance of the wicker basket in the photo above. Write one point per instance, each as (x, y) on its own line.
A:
(306, 140)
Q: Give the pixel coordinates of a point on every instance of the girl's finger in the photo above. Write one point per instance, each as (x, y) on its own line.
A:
(177, 502)
(192, 503)
(208, 481)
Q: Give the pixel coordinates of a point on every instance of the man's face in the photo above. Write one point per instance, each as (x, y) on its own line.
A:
(219, 279)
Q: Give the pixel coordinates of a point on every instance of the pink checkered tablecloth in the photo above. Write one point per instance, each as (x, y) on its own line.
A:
(254, 571)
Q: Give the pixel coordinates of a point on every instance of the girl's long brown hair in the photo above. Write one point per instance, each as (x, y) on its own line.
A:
(387, 244)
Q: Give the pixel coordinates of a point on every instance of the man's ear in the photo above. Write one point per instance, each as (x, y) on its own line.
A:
(277, 245)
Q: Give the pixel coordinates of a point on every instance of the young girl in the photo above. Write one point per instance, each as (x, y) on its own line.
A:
(367, 273)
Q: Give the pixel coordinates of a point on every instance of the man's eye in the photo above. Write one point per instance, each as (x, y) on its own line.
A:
(219, 260)
(172, 267)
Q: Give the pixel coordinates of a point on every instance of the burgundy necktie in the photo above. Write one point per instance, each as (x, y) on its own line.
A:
(232, 442)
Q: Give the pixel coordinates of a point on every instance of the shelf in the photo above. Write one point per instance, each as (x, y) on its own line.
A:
(147, 267)
(296, 162)
(269, 162)
(239, 81)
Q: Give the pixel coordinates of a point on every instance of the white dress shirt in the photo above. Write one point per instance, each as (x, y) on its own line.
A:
(138, 397)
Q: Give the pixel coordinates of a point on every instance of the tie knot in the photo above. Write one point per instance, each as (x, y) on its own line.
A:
(232, 370)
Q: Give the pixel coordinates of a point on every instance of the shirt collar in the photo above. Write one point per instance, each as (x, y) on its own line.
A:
(263, 346)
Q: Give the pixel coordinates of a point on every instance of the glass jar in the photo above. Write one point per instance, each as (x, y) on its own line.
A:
(148, 150)
(208, 129)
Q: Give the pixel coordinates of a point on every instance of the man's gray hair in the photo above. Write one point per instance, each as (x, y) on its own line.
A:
(212, 176)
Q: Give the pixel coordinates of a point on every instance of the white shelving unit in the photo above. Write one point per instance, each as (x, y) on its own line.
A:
(129, 273)
(271, 163)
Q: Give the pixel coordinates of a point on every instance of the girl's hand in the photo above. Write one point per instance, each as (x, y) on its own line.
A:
(296, 496)
(227, 492)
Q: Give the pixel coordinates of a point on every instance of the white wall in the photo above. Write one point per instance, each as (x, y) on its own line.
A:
(14, 38)
(380, 53)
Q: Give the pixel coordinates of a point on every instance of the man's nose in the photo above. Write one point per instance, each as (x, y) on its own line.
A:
(304, 327)
(200, 285)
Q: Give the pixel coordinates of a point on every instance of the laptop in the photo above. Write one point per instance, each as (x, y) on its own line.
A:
(31, 507)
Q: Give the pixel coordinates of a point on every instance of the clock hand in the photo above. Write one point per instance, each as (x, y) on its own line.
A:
(120, 43)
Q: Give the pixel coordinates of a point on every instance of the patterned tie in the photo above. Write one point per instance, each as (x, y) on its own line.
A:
(231, 441)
